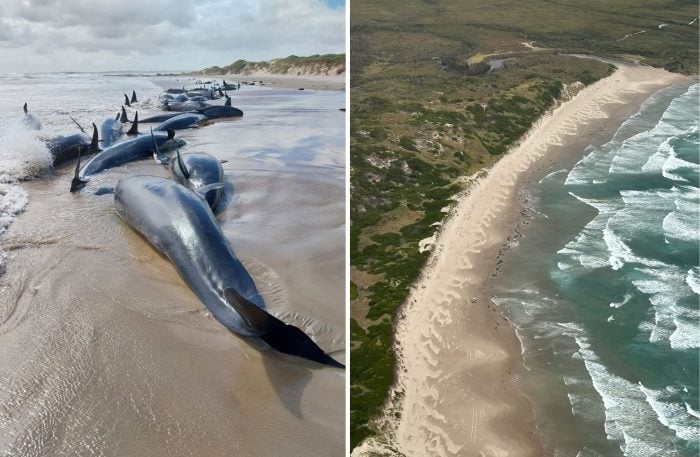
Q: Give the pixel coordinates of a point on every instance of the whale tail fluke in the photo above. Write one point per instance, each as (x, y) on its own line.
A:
(134, 130)
(124, 117)
(126, 100)
(282, 337)
(77, 183)
(133, 97)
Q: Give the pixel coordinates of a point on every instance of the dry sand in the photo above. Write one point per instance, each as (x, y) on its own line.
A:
(458, 358)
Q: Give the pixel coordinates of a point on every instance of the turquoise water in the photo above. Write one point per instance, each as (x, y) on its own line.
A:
(604, 288)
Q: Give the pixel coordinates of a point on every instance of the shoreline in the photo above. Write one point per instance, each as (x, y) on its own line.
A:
(458, 357)
(308, 81)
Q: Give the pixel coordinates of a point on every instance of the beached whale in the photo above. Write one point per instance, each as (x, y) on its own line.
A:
(159, 117)
(126, 151)
(220, 111)
(180, 122)
(180, 225)
(66, 147)
(188, 105)
(197, 170)
(110, 130)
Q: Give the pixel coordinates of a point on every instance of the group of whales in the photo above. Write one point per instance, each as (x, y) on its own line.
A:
(177, 218)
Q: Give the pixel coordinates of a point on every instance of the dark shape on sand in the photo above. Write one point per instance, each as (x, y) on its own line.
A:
(133, 97)
(126, 100)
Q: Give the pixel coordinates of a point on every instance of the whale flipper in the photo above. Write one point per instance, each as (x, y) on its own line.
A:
(285, 338)
(213, 186)
(126, 100)
(134, 130)
(157, 156)
(133, 97)
(77, 183)
(181, 164)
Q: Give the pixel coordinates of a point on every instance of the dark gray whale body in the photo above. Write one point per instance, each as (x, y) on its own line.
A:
(180, 225)
(126, 151)
(180, 122)
(219, 111)
(196, 170)
(64, 148)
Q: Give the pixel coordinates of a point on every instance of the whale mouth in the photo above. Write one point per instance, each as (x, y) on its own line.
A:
(282, 337)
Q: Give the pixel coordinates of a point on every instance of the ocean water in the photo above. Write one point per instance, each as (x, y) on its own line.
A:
(104, 350)
(604, 290)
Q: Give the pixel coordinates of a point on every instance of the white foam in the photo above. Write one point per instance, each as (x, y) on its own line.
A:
(624, 301)
(693, 279)
(671, 414)
(629, 418)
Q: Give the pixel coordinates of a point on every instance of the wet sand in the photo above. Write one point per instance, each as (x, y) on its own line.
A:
(107, 352)
(458, 357)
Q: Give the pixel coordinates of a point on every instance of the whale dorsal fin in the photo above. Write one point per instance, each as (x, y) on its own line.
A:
(228, 101)
(134, 130)
(183, 169)
(94, 145)
(126, 100)
(133, 97)
(124, 117)
(117, 118)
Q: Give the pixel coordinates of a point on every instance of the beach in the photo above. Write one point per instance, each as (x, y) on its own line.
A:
(288, 81)
(106, 351)
(459, 358)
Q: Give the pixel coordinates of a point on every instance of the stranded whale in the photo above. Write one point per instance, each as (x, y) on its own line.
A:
(126, 151)
(180, 225)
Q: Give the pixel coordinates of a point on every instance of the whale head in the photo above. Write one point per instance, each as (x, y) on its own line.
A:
(282, 337)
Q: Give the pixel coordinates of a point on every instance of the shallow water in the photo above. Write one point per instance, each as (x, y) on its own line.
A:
(106, 351)
(603, 290)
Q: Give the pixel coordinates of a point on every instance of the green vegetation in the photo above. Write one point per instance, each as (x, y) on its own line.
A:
(427, 109)
(316, 64)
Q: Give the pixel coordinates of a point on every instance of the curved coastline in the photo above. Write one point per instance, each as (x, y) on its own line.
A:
(458, 357)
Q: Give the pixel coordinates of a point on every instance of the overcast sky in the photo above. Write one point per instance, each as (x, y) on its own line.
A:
(103, 35)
